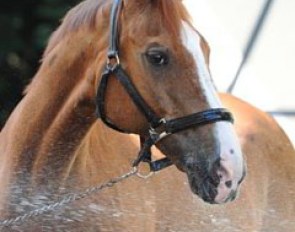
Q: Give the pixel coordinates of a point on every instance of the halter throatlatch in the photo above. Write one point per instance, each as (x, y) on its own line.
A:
(159, 127)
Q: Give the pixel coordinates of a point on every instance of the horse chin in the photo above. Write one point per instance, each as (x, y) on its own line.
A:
(205, 186)
(207, 190)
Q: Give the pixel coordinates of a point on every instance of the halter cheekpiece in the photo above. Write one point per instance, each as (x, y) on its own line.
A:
(159, 127)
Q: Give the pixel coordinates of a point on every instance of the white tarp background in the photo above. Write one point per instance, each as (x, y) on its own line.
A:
(268, 79)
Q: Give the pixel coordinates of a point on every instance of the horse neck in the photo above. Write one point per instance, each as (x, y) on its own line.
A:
(57, 112)
(103, 154)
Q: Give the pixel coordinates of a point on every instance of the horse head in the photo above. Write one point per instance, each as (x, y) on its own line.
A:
(166, 61)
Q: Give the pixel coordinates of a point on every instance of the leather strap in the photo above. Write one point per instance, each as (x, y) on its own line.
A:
(114, 18)
(198, 119)
(140, 103)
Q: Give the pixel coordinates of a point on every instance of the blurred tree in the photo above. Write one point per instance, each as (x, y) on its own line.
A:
(25, 27)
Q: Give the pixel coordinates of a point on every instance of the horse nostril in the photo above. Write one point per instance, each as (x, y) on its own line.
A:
(228, 184)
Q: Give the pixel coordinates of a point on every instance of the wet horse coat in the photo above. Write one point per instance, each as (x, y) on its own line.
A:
(153, 205)
(53, 144)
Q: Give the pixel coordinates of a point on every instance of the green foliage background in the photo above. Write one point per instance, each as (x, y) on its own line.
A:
(25, 26)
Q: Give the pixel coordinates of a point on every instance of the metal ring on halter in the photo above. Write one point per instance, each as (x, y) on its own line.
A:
(143, 176)
(159, 135)
(163, 121)
(113, 62)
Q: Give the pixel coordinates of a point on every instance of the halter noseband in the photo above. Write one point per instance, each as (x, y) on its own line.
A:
(159, 127)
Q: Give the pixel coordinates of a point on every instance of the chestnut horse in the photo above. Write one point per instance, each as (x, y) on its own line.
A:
(53, 143)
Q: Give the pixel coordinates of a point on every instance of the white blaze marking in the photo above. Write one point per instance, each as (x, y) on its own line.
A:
(192, 41)
(231, 164)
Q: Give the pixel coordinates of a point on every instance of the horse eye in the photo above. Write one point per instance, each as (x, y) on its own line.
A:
(157, 58)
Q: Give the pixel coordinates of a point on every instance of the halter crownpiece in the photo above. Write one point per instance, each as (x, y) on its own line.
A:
(159, 127)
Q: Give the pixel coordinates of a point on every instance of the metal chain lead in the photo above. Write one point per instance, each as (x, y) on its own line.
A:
(66, 200)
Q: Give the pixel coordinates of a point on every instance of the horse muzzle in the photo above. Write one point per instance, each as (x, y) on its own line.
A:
(217, 185)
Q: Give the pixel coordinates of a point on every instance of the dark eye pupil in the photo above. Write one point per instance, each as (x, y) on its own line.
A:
(157, 58)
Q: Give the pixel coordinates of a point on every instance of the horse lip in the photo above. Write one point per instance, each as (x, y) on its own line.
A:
(205, 188)
(232, 196)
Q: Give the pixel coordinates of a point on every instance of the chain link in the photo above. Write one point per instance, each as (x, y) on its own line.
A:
(66, 200)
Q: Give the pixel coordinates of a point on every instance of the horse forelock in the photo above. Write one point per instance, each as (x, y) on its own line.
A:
(173, 13)
(165, 13)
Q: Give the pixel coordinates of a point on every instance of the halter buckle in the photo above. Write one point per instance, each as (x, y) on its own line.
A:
(113, 61)
(159, 132)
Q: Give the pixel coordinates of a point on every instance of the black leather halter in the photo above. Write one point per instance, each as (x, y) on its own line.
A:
(159, 127)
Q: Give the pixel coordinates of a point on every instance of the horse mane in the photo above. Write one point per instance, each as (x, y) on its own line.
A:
(85, 13)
